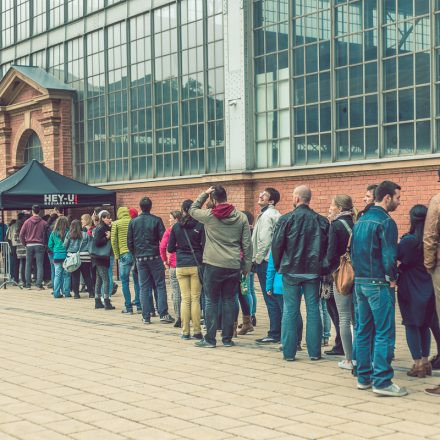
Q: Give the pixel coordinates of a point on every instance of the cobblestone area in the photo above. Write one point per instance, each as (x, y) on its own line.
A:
(70, 372)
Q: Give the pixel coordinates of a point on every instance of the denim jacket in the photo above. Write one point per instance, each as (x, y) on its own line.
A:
(374, 246)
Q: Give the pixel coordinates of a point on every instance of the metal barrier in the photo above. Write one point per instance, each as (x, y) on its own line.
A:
(5, 265)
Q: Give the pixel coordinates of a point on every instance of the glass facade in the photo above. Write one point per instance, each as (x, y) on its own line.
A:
(344, 80)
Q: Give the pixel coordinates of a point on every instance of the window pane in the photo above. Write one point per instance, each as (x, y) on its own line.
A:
(422, 102)
(406, 105)
(423, 133)
(390, 107)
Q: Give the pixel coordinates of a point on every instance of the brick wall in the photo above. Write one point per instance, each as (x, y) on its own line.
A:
(418, 186)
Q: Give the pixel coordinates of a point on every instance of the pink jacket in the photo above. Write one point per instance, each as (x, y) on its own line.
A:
(169, 258)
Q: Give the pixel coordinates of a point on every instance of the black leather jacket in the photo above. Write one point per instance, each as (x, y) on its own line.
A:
(144, 235)
(299, 242)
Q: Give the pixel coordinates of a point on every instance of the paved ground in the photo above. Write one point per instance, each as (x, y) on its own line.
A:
(70, 372)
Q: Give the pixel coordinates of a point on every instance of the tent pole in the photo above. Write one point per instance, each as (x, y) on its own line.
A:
(3, 225)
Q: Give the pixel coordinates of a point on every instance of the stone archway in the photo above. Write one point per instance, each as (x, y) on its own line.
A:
(26, 147)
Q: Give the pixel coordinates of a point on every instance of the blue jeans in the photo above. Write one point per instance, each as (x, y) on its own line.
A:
(273, 309)
(152, 273)
(52, 268)
(293, 288)
(376, 311)
(137, 289)
(110, 277)
(125, 265)
(251, 297)
(325, 319)
(61, 284)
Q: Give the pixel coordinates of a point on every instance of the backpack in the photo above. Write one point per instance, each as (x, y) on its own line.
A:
(343, 276)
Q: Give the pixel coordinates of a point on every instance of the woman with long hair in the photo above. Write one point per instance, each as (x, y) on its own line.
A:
(87, 227)
(61, 284)
(187, 238)
(342, 216)
(101, 251)
(169, 259)
(76, 241)
(415, 293)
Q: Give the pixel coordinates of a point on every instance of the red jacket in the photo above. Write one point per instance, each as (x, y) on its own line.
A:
(34, 231)
(169, 258)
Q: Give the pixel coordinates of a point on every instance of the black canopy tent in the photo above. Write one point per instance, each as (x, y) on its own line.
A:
(36, 184)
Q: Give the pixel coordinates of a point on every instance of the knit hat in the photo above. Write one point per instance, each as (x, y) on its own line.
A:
(133, 212)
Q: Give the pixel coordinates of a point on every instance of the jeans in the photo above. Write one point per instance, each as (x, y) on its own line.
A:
(125, 265)
(220, 284)
(273, 309)
(22, 270)
(152, 273)
(293, 288)
(83, 270)
(52, 268)
(419, 341)
(325, 319)
(190, 288)
(61, 284)
(375, 307)
(37, 253)
(344, 303)
(334, 316)
(110, 278)
(137, 288)
(102, 281)
(175, 290)
(252, 298)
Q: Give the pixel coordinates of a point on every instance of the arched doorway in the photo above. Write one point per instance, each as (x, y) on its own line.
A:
(33, 149)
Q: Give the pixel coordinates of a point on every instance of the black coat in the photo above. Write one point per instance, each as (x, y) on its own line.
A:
(338, 237)
(299, 242)
(144, 235)
(100, 240)
(415, 291)
(178, 242)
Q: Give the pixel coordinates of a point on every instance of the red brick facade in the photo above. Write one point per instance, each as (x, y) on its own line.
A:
(27, 108)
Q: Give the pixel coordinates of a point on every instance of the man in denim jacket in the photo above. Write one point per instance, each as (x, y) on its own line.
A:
(374, 252)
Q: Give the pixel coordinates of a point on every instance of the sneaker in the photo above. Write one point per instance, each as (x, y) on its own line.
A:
(433, 391)
(197, 336)
(68, 296)
(76, 296)
(345, 365)
(139, 311)
(186, 337)
(315, 358)
(364, 386)
(392, 391)
(146, 321)
(127, 311)
(267, 340)
(288, 359)
(204, 344)
(167, 319)
(28, 287)
(228, 343)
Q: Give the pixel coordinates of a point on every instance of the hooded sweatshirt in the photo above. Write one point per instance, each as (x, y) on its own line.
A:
(34, 231)
(227, 234)
(119, 232)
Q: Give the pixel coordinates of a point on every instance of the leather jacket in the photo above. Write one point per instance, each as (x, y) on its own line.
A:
(144, 235)
(300, 242)
(374, 246)
(431, 235)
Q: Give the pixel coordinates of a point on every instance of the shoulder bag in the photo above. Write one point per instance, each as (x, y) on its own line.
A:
(100, 252)
(199, 266)
(343, 276)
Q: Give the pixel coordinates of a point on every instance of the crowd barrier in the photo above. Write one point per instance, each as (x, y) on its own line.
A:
(5, 265)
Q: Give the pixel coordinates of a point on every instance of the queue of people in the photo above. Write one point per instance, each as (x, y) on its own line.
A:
(212, 253)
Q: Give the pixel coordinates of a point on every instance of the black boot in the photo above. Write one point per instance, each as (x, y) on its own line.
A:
(108, 304)
(98, 303)
(178, 323)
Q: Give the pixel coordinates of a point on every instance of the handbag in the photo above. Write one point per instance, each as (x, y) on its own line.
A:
(72, 262)
(199, 267)
(343, 276)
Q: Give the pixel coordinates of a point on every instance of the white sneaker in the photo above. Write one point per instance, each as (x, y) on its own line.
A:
(363, 386)
(345, 365)
(393, 391)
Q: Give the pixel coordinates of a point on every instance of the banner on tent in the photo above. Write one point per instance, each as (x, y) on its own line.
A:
(60, 199)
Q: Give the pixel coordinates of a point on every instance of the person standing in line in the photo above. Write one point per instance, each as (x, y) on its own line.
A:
(431, 252)
(33, 235)
(137, 302)
(13, 240)
(186, 239)
(227, 254)
(121, 252)
(61, 286)
(76, 241)
(169, 259)
(100, 253)
(143, 239)
(261, 241)
(21, 248)
(298, 249)
(341, 215)
(415, 293)
(375, 268)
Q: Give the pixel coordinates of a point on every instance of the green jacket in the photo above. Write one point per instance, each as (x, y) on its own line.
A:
(119, 232)
(56, 246)
(228, 240)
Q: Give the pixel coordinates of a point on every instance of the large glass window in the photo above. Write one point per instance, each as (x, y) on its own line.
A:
(23, 19)
(7, 22)
(360, 87)
(75, 9)
(56, 13)
(39, 17)
(56, 61)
